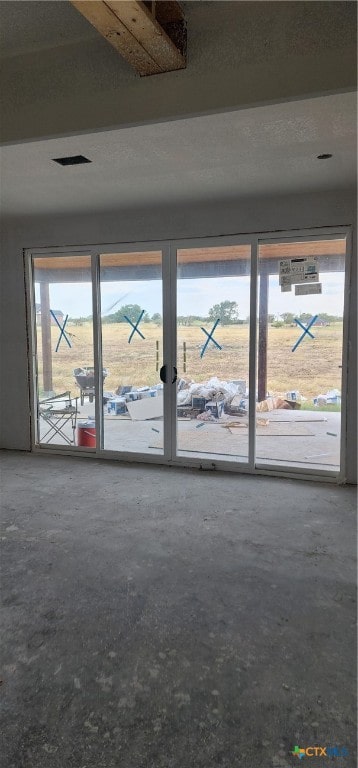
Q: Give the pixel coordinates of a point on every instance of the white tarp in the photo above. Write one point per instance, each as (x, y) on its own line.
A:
(213, 389)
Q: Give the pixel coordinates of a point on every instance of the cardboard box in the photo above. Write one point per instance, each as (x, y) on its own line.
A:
(294, 395)
(132, 396)
(123, 389)
(117, 406)
(237, 405)
(216, 408)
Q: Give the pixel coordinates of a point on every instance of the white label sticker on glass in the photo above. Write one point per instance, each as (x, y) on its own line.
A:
(295, 271)
(302, 290)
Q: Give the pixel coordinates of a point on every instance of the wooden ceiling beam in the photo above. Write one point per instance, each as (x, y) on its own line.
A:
(145, 28)
(136, 34)
(111, 28)
(170, 15)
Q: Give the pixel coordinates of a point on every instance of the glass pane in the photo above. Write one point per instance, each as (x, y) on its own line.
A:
(64, 340)
(213, 306)
(300, 334)
(132, 349)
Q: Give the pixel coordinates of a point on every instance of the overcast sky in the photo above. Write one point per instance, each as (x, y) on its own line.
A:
(196, 296)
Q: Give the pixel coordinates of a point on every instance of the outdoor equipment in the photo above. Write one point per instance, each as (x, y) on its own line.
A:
(85, 381)
(86, 434)
(58, 412)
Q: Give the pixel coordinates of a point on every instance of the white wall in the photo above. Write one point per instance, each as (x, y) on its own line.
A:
(215, 218)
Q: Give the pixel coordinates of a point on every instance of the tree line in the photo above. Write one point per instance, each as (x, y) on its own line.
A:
(226, 311)
(288, 318)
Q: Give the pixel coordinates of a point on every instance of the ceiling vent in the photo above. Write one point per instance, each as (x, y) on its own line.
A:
(74, 160)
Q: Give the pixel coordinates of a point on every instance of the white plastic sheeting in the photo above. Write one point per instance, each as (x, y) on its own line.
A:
(213, 389)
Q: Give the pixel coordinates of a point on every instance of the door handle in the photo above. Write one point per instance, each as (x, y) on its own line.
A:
(163, 374)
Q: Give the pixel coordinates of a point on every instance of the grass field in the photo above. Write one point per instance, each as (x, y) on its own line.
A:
(312, 369)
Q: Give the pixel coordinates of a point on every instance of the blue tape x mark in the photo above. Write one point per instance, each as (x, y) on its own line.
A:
(62, 329)
(305, 330)
(135, 327)
(210, 338)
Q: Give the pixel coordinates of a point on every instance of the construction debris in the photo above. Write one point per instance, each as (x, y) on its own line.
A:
(276, 403)
(238, 406)
(216, 396)
(117, 404)
(147, 408)
(332, 397)
(216, 408)
(206, 416)
(211, 400)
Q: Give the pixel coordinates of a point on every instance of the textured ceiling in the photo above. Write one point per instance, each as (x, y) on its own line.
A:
(266, 150)
(34, 26)
(38, 25)
(59, 76)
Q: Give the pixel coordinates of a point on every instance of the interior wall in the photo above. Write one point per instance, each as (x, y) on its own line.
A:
(222, 217)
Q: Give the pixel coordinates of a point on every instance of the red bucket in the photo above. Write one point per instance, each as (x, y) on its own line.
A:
(86, 434)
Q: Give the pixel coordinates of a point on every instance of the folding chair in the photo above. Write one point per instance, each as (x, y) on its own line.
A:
(59, 412)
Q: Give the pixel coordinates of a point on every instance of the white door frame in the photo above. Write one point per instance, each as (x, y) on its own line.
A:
(29, 255)
(167, 391)
(169, 248)
(330, 233)
(214, 463)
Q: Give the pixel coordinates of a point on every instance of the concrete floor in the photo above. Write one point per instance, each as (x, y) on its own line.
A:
(165, 618)
(319, 450)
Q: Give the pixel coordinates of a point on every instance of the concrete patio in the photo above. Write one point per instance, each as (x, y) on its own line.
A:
(318, 448)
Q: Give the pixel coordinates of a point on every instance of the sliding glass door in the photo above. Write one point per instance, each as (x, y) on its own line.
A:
(222, 353)
(63, 350)
(300, 352)
(99, 379)
(213, 320)
(132, 352)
